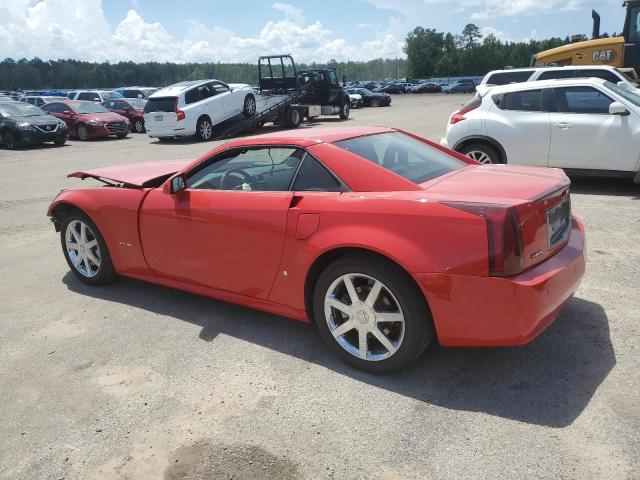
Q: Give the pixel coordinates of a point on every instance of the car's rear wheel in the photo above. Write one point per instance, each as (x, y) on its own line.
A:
(482, 153)
(344, 110)
(82, 132)
(85, 250)
(9, 140)
(138, 125)
(204, 129)
(293, 118)
(249, 108)
(371, 313)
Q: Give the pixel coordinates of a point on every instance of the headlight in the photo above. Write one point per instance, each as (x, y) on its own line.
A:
(25, 126)
(96, 123)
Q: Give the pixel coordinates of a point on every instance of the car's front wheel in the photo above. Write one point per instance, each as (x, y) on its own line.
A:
(85, 250)
(9, 140)
(344, 110)
(82, 132)
(371, 313)
(481, 153)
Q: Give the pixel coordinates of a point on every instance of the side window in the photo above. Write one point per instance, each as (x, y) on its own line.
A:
(259, 169)
(191, 96)
(219, 88)
(557, 73)
(120, 105)
(505, 78)
(582, 100)
(31, 100)
(313, 177)
(110, 105)
(333, 78)
(597, 73)
(39, 102)
(634, 27)
(528, 101)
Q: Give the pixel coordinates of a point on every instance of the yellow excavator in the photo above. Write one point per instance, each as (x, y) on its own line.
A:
(620, 52)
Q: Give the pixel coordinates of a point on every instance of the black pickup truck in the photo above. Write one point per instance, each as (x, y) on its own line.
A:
(322, 94)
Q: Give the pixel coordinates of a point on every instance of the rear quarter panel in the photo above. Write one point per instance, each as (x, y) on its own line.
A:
(115, 213)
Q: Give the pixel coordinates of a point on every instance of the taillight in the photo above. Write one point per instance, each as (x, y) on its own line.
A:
(460, 114)
(179, 113)
(504, 235)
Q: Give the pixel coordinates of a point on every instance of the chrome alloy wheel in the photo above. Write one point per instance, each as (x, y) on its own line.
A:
(364, 317)
(479, 156)
(250, 106)
(82, 248)
(205, 130)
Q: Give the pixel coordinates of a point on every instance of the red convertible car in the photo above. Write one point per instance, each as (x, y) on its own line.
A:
(384, 240)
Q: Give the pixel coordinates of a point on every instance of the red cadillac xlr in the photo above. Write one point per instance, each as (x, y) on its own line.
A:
(386, 241)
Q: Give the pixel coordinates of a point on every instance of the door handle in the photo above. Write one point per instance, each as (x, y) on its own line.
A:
(562, 125)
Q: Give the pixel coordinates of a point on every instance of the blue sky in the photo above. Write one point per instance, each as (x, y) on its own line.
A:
(191, 30)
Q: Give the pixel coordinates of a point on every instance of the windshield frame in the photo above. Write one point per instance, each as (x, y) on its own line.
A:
(632, 97)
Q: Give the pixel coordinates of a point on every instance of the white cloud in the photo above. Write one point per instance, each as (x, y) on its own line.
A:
(52, 29)
(510, 8)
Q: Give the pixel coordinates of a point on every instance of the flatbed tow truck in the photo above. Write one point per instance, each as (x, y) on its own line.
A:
(286, 98)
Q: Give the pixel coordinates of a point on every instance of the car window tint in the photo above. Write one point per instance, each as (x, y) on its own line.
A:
(634, 25)
(260, 169)
(607, 75)
(557, 73)
(219, 88)
(162, 104)
(410, 158)
(313, 177)
(528, 100)
(582, 100)
(333, 78)
(505, 78)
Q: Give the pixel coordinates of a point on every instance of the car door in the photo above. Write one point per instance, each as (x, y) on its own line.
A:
(226, 229)
(228, 101)
(518, 121)
(585, 135)
(335, 92)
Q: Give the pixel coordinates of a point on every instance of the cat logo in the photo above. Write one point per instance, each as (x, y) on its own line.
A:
(604, 56)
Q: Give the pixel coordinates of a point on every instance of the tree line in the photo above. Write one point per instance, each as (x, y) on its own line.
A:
(429, 54)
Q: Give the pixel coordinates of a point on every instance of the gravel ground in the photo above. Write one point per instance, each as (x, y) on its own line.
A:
(136, 381)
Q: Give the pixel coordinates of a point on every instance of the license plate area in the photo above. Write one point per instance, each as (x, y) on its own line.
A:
(559, 222)
(158, 118)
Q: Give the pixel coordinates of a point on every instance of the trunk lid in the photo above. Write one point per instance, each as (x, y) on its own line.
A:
(137, 175)
(539, 197)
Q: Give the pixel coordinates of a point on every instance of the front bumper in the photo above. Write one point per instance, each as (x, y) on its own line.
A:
(30, 137)
(504, 311)
(107, 130)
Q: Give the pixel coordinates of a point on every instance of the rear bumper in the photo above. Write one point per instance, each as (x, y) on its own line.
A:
(178, 131)
(495, 311)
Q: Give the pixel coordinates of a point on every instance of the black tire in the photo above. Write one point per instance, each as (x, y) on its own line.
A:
(138, 125)
(249, 106)
(60, 142)
(344, 110)
(375, 103)
(480, 152)
(419, 331)
(82, 132)
(105, 274)
(9, 140)
(292, 118)
(202, 127)
(121, 135)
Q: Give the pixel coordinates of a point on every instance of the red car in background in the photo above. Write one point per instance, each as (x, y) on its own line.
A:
(131, 108)
(386, 241)
(87, 119)
(428, 87)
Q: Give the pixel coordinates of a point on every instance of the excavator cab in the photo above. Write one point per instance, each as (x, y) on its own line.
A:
(631, 34)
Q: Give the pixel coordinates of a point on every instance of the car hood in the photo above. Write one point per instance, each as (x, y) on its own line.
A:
(39, 120)
(379, 94)
(501, 184)
(136, 175)
(103, 117)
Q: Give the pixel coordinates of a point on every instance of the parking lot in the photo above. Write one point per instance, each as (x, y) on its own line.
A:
(139, 381)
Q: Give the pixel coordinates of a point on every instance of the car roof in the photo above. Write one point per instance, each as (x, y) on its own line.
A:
(178, 88)
(305, 137)
(564, 82)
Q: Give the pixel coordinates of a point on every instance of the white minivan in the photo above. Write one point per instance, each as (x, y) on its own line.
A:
(193, 108)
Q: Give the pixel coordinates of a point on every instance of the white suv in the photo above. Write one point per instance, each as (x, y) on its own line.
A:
(93, 95)
(584, 125)
(517, 75)
(195, 107)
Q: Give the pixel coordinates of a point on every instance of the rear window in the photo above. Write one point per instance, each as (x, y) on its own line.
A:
(165, 104)
(559, 73)
(414, 160)
(505, 78)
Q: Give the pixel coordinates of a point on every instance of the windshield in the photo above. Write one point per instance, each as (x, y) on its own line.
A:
(89, 107)
(626, 94)
(404, 155)
(137, 103)
(10, 109)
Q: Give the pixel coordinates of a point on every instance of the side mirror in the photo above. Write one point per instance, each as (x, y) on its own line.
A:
(68, 112)
(616, 108)
(176, 184)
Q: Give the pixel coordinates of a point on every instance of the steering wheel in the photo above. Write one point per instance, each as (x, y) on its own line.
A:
(246, 178)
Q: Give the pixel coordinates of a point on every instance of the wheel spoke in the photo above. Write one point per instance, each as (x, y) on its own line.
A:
(362, 344)
(382, 338)
(391, 317)
(74, 234)
(342, 329)
(87, 265)
(83, 233)
(91, 243)
(91, 257)
(337, 304)
(373, 294)
(351, 290)
(76, 260)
